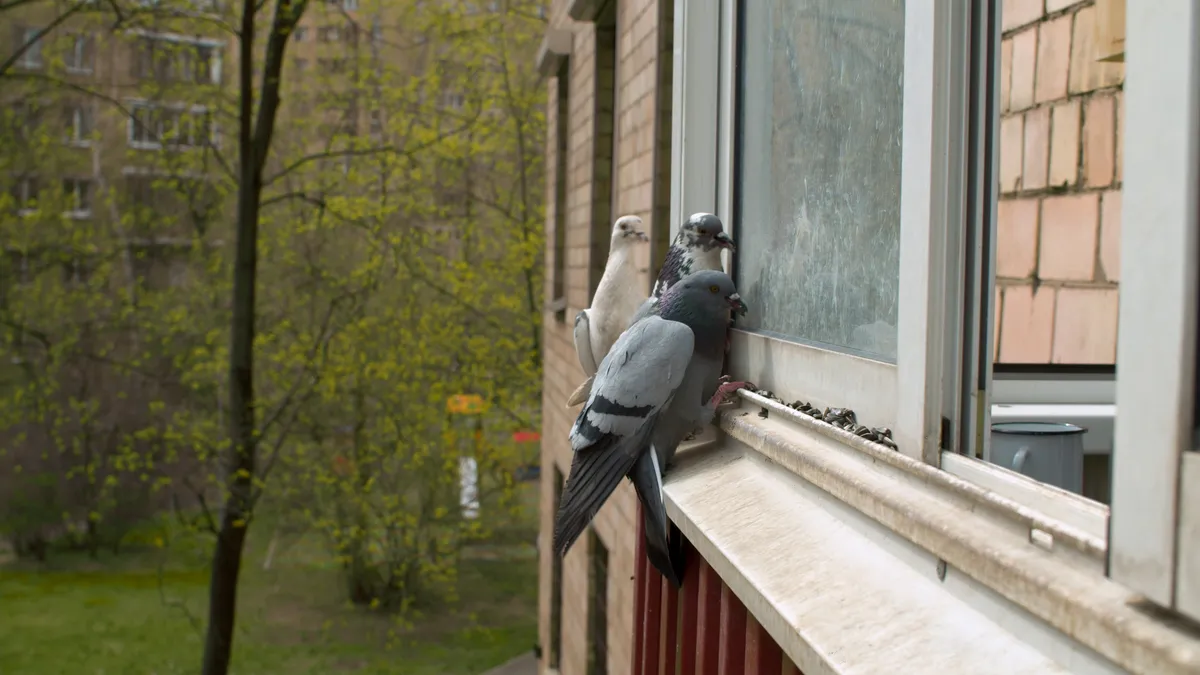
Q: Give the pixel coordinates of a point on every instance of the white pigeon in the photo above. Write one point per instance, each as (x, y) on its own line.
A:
(697, 247)
(617, 296)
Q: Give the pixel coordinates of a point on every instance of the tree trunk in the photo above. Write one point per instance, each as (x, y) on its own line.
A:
(254, 142)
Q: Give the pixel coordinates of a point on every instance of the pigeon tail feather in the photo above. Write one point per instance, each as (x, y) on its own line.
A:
(647, 481)
(595, 472)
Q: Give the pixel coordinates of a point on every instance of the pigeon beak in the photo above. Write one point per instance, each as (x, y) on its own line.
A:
(723, 240)
(641, 236)
(739, 307)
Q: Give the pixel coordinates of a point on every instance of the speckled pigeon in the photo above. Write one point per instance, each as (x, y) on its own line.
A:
(661, 379)
(697, 247)
(617, 296)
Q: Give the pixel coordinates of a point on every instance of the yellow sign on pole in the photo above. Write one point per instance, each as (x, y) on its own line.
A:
(466, 404)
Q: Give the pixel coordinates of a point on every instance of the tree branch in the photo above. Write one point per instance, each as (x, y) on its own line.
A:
(58, 20)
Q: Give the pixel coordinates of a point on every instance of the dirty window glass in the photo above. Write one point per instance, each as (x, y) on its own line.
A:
(818, 228)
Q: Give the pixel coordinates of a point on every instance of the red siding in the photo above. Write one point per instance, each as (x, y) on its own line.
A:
(702, 628)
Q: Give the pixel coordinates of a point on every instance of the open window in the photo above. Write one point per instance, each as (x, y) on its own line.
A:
(927, 200)
(1155, 531)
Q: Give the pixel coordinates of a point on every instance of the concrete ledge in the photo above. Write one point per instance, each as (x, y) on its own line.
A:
(857, 559)
(554, 51)
(584, 10)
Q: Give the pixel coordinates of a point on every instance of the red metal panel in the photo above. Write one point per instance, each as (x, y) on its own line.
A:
(790, 668)
(732, 656)
(708, 618)
(641, 567)
(668, 651)
(651, 625)
(690, 609)
(763, 656)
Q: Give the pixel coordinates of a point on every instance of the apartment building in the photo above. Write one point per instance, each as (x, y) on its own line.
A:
(941, 225)
(124, 125)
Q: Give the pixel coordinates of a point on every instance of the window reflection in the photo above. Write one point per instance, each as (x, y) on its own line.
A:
(819, 220)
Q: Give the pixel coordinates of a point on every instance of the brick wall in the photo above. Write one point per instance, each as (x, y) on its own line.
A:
(640, 107)
(1059, 218)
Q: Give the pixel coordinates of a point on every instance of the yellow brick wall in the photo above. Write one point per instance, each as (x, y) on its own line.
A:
(638, 100)
(1059, 217)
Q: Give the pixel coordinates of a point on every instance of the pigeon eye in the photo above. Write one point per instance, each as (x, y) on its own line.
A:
(714, 288)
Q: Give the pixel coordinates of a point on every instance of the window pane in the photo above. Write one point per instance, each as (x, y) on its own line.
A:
(818, 228)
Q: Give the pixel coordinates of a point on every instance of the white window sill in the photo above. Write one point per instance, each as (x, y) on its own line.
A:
(78, 143)
(860, 559)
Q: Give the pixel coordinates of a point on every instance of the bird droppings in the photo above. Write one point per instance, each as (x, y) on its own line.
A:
(841, 418)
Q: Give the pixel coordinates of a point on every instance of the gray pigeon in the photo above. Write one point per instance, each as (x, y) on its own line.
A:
(661, 379)
(697, 247)
(617, 296)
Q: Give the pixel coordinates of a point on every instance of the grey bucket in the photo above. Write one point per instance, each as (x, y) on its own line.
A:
(1050, 452)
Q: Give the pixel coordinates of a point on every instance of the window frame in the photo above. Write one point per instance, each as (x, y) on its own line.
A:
(83, 124)
(79, 194)
(905, 396)
(1155, 491)
(176, 115)
(82, 54)
(148, 61)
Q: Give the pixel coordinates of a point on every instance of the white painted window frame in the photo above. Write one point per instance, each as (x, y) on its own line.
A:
(216, 63)
(82, 45)
(142, 104)
(32, 58)
(79, 198)
(905, 396)
(1156, 479)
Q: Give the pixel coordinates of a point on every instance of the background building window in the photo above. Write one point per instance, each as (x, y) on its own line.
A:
(562, 129)
(604, 173)
(175, 61)
(77, 193)
(80, 53)
(24, 193)
(32, 57)
(597, 607)
(153, 126)
(822, 97)
(78, 123)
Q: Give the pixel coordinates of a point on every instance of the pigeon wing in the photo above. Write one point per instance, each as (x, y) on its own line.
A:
(581, 393)
(583, 342)
(635, 382)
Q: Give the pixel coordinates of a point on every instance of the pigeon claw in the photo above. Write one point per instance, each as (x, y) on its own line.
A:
(727, 391)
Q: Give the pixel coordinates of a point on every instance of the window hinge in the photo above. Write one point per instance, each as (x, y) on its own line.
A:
(944, 441)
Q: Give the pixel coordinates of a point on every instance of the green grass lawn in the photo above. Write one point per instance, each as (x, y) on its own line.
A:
(143, 612)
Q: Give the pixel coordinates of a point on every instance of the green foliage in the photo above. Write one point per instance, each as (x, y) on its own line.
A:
(400, 244)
